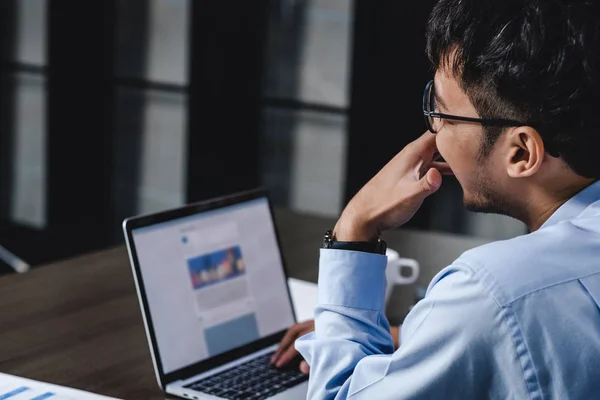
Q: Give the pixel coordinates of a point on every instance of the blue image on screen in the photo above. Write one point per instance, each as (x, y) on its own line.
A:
(212, 268)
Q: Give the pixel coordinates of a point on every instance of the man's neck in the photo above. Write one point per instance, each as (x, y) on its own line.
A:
(543, 203)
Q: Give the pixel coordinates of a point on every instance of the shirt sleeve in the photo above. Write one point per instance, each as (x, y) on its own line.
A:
(450, 341)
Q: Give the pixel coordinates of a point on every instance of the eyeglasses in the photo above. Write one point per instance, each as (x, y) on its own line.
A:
(431, 115)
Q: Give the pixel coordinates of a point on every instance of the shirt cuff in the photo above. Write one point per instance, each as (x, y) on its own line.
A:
(352, 279)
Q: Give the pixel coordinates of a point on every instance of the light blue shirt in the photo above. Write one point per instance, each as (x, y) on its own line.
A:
(515, 319)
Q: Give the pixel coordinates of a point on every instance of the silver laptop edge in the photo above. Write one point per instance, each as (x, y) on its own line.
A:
(141, 303)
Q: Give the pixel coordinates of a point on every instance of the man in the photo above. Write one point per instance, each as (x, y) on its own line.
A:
(513, 110)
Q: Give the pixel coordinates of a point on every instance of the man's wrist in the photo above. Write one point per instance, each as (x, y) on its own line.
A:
(351, 229)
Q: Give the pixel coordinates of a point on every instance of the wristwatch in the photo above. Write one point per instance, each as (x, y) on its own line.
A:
(376, 246)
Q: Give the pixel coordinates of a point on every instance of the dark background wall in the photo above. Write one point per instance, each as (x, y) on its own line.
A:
(114, 108)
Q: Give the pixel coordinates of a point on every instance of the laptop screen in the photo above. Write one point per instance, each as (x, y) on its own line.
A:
(214, 281)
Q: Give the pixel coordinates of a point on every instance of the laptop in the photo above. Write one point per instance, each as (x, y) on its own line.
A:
(212, 288)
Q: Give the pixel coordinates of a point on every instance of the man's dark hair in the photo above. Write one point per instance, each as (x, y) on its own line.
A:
(534, 61)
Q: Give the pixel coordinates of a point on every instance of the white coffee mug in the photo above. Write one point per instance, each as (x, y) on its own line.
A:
(393, 273)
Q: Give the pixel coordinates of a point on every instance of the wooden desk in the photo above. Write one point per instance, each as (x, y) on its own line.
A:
(77, 322)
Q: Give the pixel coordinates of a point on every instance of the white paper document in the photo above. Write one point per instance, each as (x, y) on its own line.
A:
(304, 298)
(17, 388)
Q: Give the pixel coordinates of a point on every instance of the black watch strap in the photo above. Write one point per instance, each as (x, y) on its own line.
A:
(376, 246)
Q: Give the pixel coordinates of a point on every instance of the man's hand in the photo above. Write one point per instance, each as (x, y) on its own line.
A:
(387, 201)
(395, 332)
(286, 351)
(395, 194)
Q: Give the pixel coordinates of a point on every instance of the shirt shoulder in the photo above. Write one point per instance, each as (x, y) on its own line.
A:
(458, 334)
(511, 269)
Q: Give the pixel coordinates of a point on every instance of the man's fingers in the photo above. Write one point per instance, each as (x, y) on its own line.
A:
(425, 139)
(290, 336)
(288, 340)
(304, 367)
(288, 355)
(425, 147)
(443, 167)
(431, 182)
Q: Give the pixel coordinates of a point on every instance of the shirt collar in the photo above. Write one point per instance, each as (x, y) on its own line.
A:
(575, 205)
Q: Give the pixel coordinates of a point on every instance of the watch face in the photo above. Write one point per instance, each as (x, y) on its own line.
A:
(327, 239)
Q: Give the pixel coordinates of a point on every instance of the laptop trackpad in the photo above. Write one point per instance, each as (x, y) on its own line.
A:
(296, 393)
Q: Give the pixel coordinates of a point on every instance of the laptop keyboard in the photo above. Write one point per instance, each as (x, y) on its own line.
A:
(255, 380)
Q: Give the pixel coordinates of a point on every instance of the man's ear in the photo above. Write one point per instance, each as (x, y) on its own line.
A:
(525, 152)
